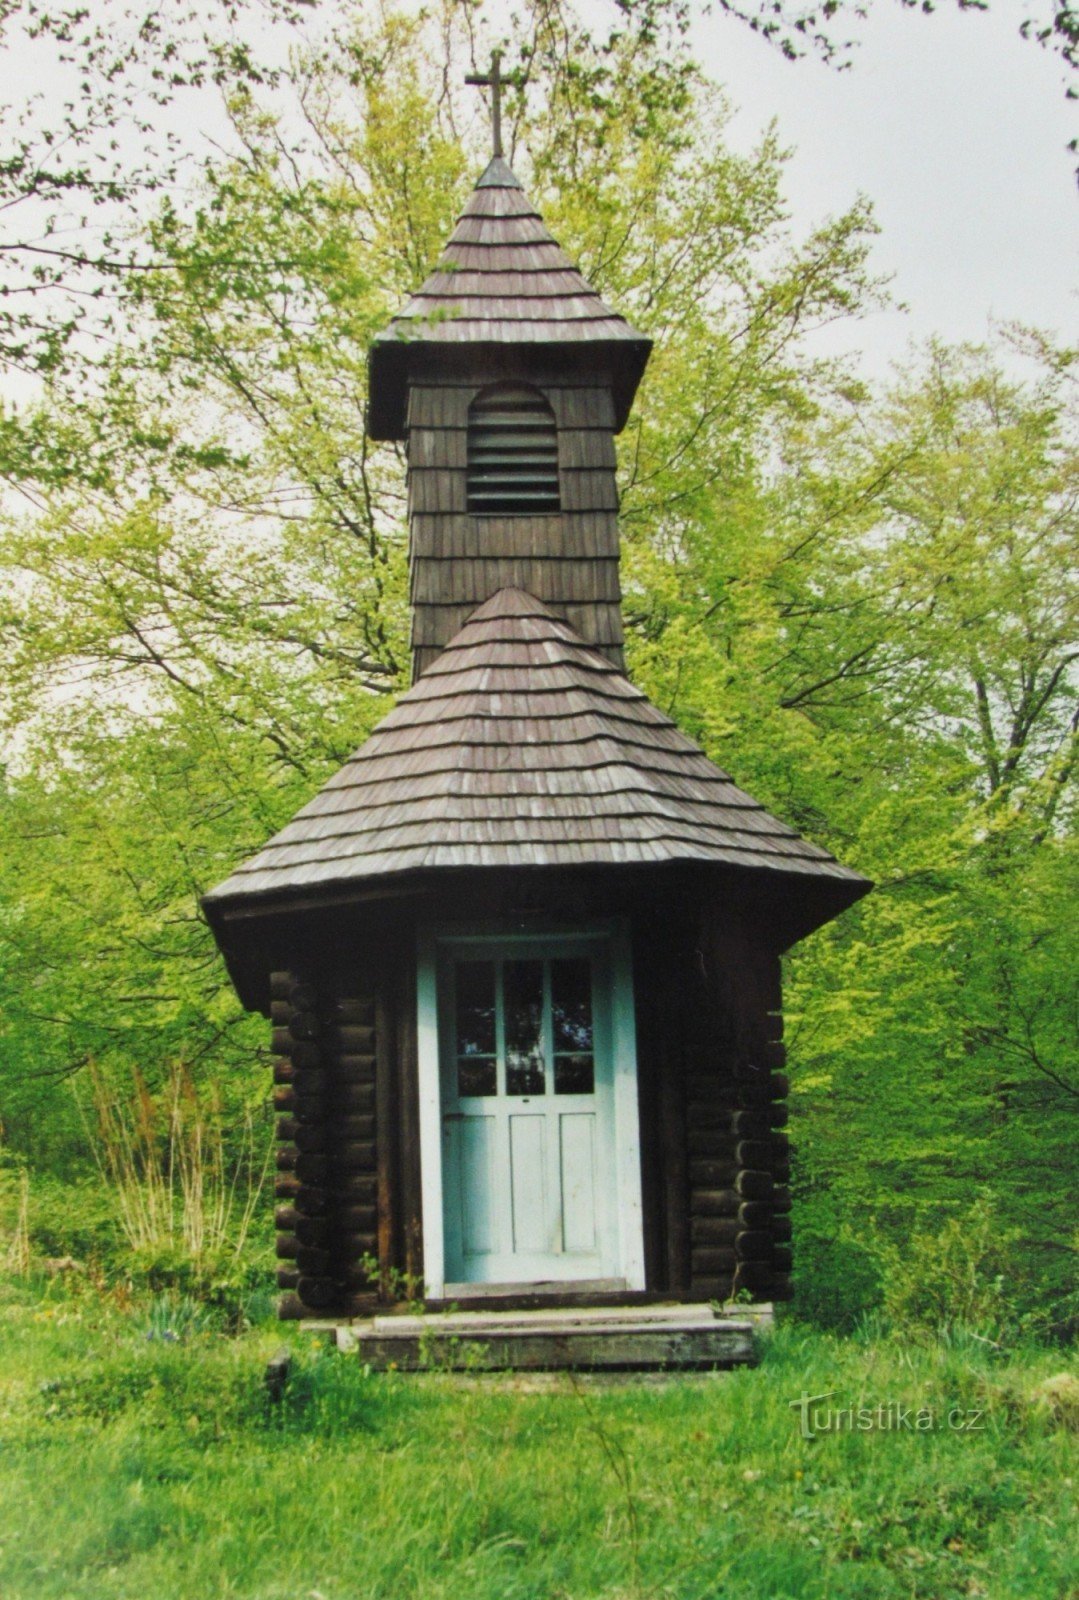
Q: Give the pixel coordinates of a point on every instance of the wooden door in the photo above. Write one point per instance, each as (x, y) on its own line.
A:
(529, 1188)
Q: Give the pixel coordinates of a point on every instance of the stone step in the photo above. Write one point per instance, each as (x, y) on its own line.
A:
(564, 1318)
(683, 1339)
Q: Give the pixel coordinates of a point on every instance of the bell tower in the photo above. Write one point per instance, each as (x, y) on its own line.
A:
(507, 376)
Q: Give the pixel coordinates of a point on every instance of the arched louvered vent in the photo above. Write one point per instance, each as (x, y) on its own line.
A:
(512, 453)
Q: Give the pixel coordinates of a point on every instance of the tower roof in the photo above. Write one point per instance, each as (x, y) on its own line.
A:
(521, 746)
(502, 280)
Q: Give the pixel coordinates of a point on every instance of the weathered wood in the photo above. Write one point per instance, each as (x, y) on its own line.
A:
(755, 1185)
(710, 1262)
(280, 985)
(754, 1245)
(714, 1202)
(287, 1278)
(714, 1230)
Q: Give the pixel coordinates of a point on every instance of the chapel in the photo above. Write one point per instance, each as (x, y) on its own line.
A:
(521, 955)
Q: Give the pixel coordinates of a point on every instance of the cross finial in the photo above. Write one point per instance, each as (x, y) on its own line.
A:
(492, 80)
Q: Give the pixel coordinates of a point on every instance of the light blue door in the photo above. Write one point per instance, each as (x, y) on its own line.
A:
(527, 1112)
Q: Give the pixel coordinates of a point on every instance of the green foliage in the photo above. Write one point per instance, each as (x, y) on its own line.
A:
(169, 1464)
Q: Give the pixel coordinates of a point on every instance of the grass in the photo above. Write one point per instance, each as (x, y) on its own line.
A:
(140, 1455)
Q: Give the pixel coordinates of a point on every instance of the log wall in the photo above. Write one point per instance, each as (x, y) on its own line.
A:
(323, 1046)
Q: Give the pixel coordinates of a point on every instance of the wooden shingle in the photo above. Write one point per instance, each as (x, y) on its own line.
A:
(522, 746)
(502, 280)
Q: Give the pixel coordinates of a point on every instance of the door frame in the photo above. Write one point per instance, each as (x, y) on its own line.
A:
(625, 1134)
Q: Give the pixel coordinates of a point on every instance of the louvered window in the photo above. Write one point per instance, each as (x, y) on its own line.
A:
(512, 453)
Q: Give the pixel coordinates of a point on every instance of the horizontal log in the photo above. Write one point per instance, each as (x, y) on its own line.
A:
(781, 1171)
(774, 1056)
(307, 1230)
(716, 1116)
(781, 1230)
(304, 1025)
(779, 1114)
(782, 1258)
(754, 1153)
(286, 1188)
(711, 1262)
(357, 1097)
(712, 1174)
(755, 1185)
(304, 996)
(360, 1189)
(780, 1086)
(355, 1247)
(708, 1089)
(355, 1157)
(290, 1308)
(351, 1039)
(283, 1098)
(286, 1128)
(312, 1169)
(714, 1288)
(311, 1138)
(713, 1230)
(352, 1068)
(311, 1202)
(280, 1013)
(310, 1259)
(281, 1042)
(285, 1160)
(756, 1214)
(361, 1012)
(287, 1277)
(281, 985)
(359, 1219)
(781, 1198)
(306, 1053)
(283, 1070)
(310, 1108)
(754, 1275)
(285, 1246)
(751, 1124)
(711, 1144)
(713, 1202)
(310, 1081)
(320, 1294)
(754, 1245)
(781, 1146)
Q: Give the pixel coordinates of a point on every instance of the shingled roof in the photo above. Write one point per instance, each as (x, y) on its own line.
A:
(522, 746)
(502, 279)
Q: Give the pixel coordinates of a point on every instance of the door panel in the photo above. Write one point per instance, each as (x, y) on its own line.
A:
(578, 1174)
(528, 1155)
(475, 1137)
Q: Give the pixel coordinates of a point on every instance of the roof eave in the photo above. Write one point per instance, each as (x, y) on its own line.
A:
(392, 359)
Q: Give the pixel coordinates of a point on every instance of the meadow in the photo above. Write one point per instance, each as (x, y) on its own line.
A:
(142, 1454)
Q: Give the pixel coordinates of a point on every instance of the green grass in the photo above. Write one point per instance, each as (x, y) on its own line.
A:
(134, 1466)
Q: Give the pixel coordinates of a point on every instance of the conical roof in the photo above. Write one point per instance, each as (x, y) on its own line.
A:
(501, 280)
(521, 746)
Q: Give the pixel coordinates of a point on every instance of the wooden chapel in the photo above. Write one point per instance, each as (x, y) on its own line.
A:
(521, 954)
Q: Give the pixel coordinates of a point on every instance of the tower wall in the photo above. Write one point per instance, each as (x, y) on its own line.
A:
(460, 558)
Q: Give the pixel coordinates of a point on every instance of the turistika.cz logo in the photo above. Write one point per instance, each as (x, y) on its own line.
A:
(817, 1416)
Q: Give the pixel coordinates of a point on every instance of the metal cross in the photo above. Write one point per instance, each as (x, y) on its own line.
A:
(492, 80)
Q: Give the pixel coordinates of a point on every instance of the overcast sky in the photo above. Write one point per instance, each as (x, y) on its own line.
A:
(956, 128)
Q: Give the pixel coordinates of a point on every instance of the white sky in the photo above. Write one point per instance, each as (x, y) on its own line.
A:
(956, 128)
